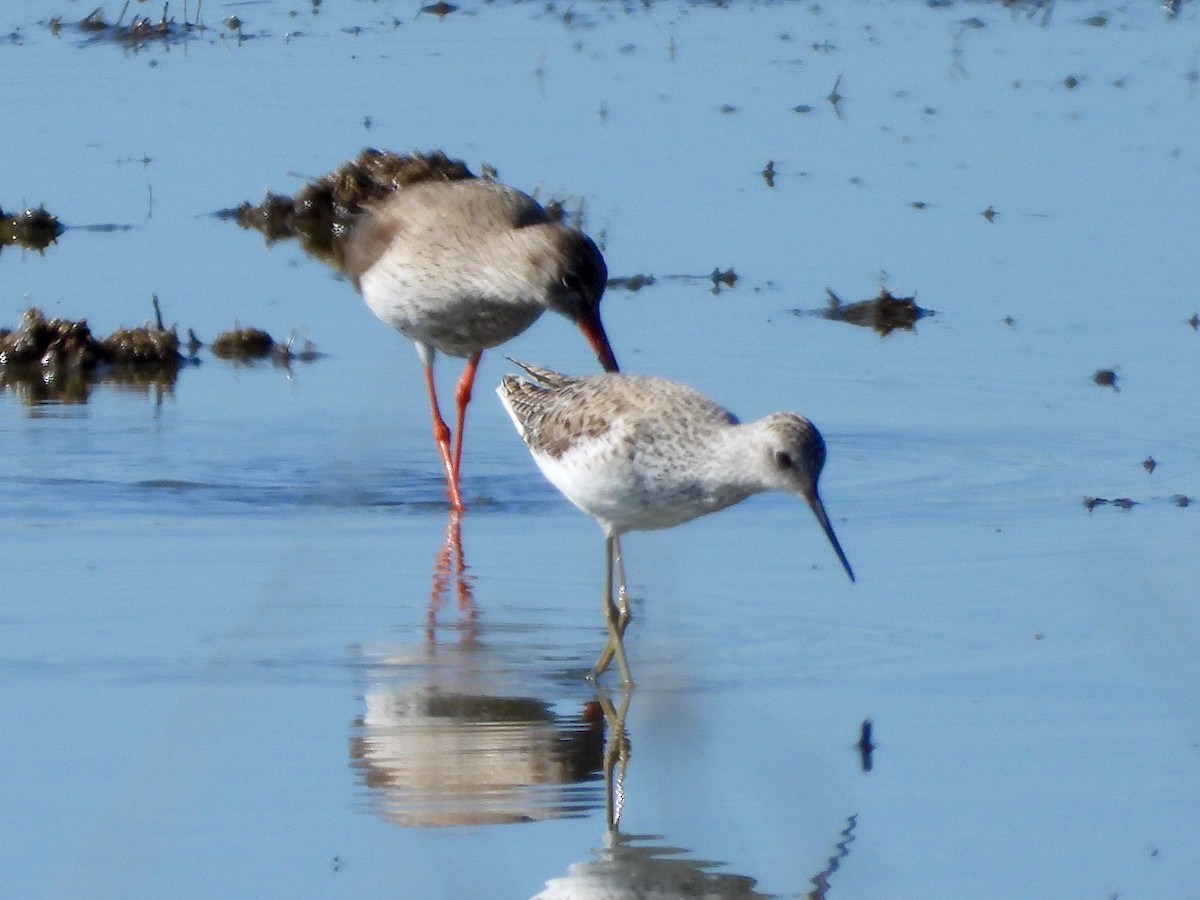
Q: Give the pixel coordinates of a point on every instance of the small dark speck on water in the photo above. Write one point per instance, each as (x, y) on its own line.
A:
(1091, 503)
(1182, 500)
(1149, 464)
(990, 213)
(440, 9)
(727, 278)
(1106, 378)
(768, 173)
(1071, 82)
(1194, 321)
(866, 747)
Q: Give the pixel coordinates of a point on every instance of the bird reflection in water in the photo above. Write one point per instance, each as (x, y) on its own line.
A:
(431, 756)
(450, 568)
(628, 865)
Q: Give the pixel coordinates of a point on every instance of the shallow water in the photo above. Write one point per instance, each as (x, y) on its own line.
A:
(234, 663)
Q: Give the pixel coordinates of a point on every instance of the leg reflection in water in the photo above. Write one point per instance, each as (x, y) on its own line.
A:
(616, 754)
(450, 567)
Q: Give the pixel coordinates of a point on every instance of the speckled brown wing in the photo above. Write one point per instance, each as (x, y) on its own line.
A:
(551, 417)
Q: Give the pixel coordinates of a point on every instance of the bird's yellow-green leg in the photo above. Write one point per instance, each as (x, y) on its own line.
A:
(612, 618)
(623, 614)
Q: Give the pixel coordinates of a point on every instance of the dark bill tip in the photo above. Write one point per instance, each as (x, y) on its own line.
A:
(593, 330)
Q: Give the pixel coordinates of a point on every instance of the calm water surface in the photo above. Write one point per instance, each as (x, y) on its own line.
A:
(237, 659)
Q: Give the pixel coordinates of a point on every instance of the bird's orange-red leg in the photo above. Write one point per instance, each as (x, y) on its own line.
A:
(441, 434)
(462, 396)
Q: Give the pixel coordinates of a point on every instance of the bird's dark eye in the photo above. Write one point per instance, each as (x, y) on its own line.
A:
(783, 459)
(573, 283)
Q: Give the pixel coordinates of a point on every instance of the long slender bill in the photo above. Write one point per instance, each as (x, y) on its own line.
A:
(818, 508)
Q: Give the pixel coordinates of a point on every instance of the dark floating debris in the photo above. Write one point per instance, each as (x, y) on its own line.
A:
(59, 359)
(33, 229)
(441, 9)
(884, 313)
(246, 345)
(631, 283)
(1106, 378)
(768, 173)
(242, 344)
(320, 214)
(728, 278)
(1149, 464)
(990, 213)
(835, 97)
(139, 31)
(1194, 321)
(866, 747)
(1090, 503)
